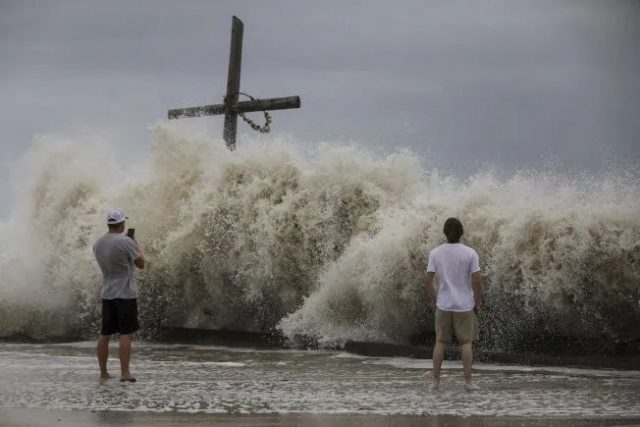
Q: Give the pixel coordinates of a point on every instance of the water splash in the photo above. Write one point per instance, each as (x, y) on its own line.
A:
(324, 247)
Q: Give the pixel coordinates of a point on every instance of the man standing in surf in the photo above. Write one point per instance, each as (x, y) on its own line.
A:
(117, 254)
(459, 298)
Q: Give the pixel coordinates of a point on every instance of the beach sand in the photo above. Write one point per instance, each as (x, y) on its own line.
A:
(57, 384)
(22, 417)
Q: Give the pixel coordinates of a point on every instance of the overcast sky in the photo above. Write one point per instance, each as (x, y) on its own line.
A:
(505, 83)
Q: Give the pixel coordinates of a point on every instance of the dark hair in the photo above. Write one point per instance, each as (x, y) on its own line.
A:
(114, 226)
(453, 230)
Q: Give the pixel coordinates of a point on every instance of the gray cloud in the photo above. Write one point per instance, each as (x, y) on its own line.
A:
(501, 83)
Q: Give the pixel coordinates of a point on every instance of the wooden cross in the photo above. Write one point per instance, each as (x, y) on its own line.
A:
(231, 107)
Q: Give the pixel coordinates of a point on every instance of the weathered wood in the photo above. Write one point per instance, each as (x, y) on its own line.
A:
(268, 104)
(231, 106)
(205, 110)
(233, 83)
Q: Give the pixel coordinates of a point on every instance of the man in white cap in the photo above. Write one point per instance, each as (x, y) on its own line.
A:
(116, 254)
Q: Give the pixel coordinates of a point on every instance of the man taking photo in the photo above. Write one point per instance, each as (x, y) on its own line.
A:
(117, 254)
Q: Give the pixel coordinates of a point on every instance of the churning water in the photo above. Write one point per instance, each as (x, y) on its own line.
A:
(215, 380)
(324, 247)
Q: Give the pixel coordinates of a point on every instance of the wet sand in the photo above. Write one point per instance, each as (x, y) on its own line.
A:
(22, 417)
(57, 384)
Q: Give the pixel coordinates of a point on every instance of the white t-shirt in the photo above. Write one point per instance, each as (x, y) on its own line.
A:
(453, 263)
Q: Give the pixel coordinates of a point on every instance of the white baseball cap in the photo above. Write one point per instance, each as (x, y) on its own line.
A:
(115, 216)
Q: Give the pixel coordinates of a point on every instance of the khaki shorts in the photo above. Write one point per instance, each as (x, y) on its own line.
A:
(463, 323)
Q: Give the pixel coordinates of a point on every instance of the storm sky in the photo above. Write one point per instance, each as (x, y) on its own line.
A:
(510, 84)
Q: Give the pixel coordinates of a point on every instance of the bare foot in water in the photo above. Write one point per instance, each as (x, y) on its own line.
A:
(435, 384)
(127, 378)
(105, 376)
(471, 387)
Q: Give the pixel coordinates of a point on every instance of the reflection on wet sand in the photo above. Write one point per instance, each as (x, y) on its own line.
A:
(178, 379)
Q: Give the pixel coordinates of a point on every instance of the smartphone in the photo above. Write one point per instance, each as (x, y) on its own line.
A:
(131, 232)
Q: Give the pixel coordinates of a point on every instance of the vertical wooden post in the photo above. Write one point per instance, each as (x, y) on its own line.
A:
(233, 83)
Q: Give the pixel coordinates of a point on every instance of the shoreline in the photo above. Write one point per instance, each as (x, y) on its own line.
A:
(192, 336)
(216, 384)
(22, 417)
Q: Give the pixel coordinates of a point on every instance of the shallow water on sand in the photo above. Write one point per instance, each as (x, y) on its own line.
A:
(248, 381)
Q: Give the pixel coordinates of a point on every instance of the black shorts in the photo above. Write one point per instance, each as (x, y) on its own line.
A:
(119, 316)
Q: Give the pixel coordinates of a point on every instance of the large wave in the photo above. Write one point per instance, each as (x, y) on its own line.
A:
(324, 247)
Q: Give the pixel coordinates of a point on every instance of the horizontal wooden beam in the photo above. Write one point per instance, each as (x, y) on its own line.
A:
(239, 107)
(206, 110)
(268, 104)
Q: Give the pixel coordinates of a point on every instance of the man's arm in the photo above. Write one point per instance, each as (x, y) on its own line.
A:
(140, 261)
(431, 291)
(478, 296)
(134, 252)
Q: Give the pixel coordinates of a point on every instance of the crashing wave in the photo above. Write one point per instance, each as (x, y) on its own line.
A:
(324, 248)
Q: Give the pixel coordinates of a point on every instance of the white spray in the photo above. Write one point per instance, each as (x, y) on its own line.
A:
(324, 248)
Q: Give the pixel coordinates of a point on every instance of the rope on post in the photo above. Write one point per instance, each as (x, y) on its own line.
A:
(266, 128)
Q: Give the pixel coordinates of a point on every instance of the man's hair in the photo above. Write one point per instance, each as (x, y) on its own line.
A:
(114, 226)
(453, 230)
